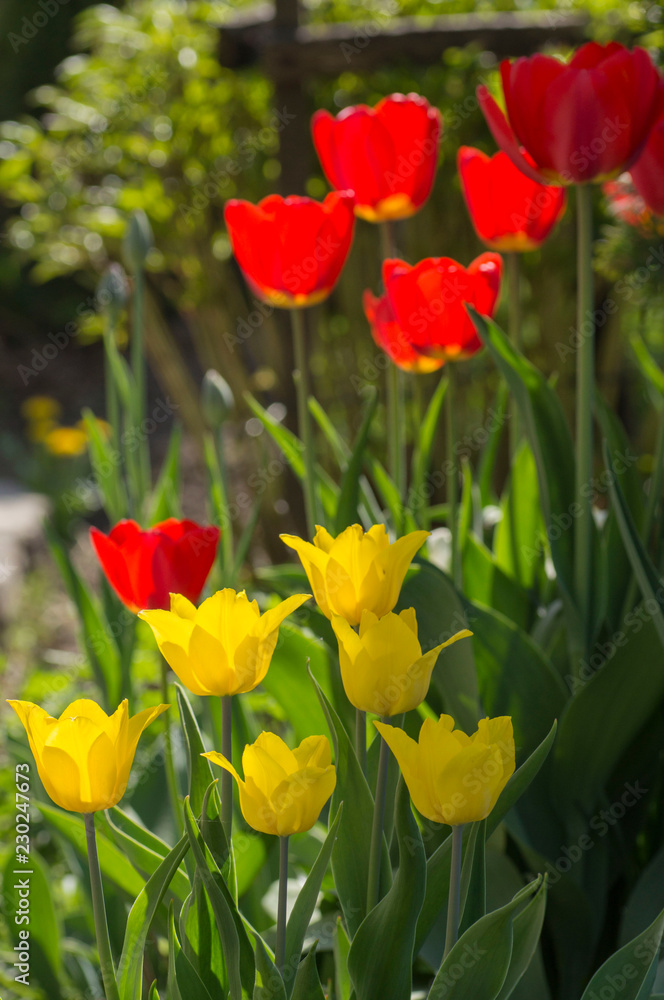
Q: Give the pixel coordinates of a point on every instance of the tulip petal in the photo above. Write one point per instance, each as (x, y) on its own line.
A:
(221, 761)
(272, 619)
(112, 561)
(314, 560)
(395, 561)
(408, 757)
(463, 787)
(313, 751)
(504, 135)
(182, 607)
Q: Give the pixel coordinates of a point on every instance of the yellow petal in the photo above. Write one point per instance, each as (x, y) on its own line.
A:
(221, 761)
(409, 758)
(463, 786)
(208, 669)
(314, 561)
(323, 540)
(182, 607)
(84, 708)
(395, 562)
(273, 618)
(168, 627)
(313, 751)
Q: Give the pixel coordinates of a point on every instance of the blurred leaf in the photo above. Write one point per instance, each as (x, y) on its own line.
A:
(349, 497)
(106, 465)
(423, 448)
(44, 944)
(199, 768)
(526, 930)
(143, 856)
(307, 982)
(183, 980)
(630, 972)
(165, 498)
(486, 583)
(288, 682)
(517, 542)
(473, 877)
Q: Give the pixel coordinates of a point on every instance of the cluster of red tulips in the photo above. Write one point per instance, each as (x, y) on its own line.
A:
(565, 124)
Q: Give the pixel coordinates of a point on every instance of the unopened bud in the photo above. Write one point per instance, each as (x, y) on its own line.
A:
(113, 290)
(217, 400)
(138, 241)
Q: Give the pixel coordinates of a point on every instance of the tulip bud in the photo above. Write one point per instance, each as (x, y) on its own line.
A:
(113, 290)
(138, 241)
(217, 400)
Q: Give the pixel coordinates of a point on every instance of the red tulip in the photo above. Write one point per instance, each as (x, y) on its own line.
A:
(386, 155)
(625, 203)
(586, 120)
(389, 336)
(648, 171)
(291, 250)
(510, 212)
(428, 301)
(144, 567)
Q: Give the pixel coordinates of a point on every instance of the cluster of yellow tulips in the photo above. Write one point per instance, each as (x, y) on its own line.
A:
(224, 648)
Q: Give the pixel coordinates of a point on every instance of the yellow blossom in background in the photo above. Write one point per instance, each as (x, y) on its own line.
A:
(225, 646)
(283, 790)
(66, 442)
(37, 408)
(84, 757)
(103, 427)
(357, 570)
(454, 778)
(383, 669)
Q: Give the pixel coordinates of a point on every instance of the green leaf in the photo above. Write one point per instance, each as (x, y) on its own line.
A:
(143, 857)
(106, 465)
(487, 584)
(130, 969)
(114, 865)
(649, 367)
(165, 498)
(269, 983)
(341, 947)
(349, 498)
(238, 953)
(381, 953)
(423, 449)
(646, 899)
(526, 930)
(551, 442)
(45, 940)
(304, 906)
(438, 865)
(350, 853)
(154, 995)
(293, 451)
(648, 579)
(183, 980)
(98, 644)
(515, 678)
(201, 941)
(473, 877)
(483, 952)
(517, 544)
(199, 769)
(440, 614)
(627, 971)
(307, 982)
(487, 461)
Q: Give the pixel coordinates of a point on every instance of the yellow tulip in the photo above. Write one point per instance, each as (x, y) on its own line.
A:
(357, 570)
(225, 646)
(84, 757)
(454, 778)
(383, 669)
(283, 790)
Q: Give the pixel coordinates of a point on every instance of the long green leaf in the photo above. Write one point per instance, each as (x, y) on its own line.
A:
(183, 980)
(423, 449)
(130, 969)
(307, 982)
(165, 499)
(143, 857)
(199, 769)
(381, 953)
(627, 971)
(349, 498)
(526, 929)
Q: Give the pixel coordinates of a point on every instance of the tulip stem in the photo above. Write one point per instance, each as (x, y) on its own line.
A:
(226, 776)
(376, 849)
(585, 382)
(453, 478)
(171, 776)
(280, 950)
(514, 312)
(227, 550)
(301, 379)
(361, 738)
(99, 911)
(138, 371)
(396, 411)
(454, 899)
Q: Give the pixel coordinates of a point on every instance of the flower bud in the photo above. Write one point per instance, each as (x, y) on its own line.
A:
(138, 241)
(217, 400)
(113, 290)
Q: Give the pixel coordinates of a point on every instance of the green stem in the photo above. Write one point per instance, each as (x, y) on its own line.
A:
(112, 397)
(396, 410)
(169, 764)
(376, 849)
(452, 476)
(138, 371)
(227, 550)
(280, 950)
(99, 911)
(361, 738)
(301, 378)
(226, 776)
(585, 383)
(514, 314)
(454, 898)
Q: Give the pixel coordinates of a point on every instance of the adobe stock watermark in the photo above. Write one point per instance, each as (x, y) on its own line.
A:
(31, 24)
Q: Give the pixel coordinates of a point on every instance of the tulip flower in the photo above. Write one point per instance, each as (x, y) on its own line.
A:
(357, 570)
(389, 336)
(291, 250)
(383, 668)
(586, 120)
(222, 648)
(386, 155)
(510, 212)
(144, 567)
(648, 171)
(625, 203)
(454, 778)
(84, 757)
(283, 790)
(428, 301)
